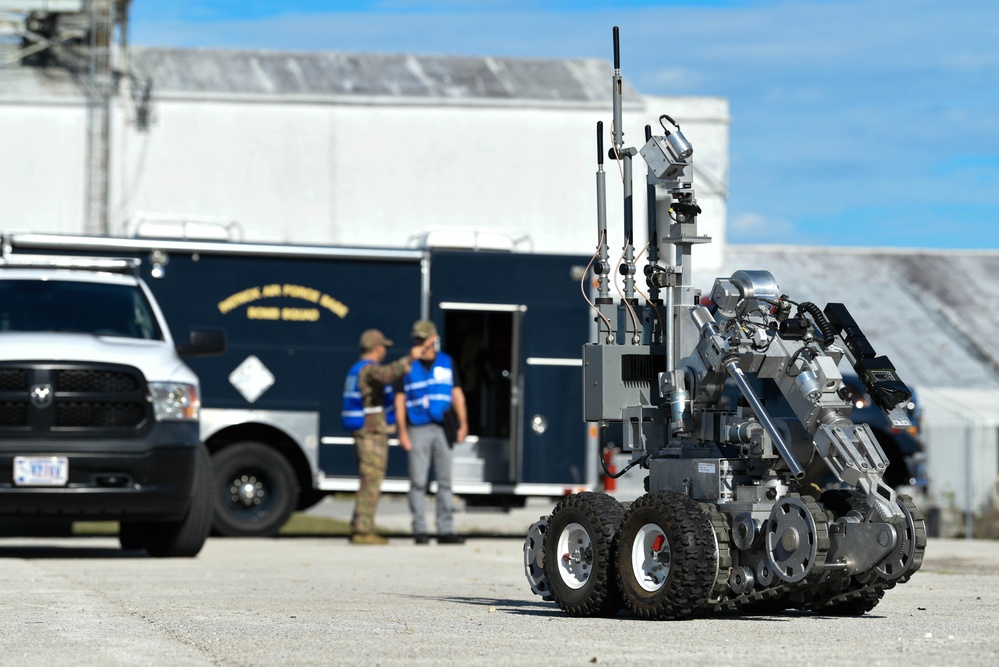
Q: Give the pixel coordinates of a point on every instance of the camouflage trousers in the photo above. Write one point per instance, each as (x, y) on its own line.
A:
(372, 460)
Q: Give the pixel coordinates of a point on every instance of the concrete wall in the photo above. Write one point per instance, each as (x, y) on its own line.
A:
(43, 168)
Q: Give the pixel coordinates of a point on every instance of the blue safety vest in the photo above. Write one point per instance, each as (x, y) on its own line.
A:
(353, 407)
(428, 391)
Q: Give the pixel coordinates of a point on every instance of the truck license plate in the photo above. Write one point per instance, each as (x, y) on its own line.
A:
(41, 470)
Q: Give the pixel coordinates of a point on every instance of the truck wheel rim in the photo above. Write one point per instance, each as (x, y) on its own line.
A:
(651, 557)
(576, 556)
(247, 491)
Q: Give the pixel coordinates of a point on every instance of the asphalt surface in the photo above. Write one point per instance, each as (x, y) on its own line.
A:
(393, 516)
(322, 601)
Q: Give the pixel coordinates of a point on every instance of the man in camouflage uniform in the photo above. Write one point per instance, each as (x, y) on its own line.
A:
(371, 440)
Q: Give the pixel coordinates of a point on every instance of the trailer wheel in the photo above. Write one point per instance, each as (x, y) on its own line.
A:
(178, 539)
(667, 557)
(255, 490)
(578, 554)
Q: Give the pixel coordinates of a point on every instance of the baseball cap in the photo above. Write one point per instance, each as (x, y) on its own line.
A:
(424, 329)
(373, 337)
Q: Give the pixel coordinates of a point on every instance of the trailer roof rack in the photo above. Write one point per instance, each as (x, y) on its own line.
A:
(472, 238)
(182, 227)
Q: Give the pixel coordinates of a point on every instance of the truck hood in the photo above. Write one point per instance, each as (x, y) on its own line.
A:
(155, 358)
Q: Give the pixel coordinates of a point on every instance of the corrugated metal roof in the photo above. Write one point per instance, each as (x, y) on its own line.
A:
(345, 76)
(932, 312)
(374, 75)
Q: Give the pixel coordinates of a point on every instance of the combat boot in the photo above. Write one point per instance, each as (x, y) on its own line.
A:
(368, 538)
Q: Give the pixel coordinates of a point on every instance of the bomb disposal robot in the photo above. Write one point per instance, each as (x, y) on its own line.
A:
(740, 415)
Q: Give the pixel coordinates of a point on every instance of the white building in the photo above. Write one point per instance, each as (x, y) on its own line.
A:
(350, 149)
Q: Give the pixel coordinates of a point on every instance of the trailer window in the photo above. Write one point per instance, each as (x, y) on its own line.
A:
(78, 307)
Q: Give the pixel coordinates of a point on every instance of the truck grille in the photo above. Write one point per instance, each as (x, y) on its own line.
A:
(51, 400)
(94, 381)
(13, 379)
(13, 413)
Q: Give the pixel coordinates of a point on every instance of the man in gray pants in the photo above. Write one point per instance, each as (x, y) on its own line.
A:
(425, 396)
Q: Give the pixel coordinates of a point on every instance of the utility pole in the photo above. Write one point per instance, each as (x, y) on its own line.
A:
(99, 92)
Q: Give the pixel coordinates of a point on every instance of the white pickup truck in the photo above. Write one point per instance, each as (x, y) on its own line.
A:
(98, 413)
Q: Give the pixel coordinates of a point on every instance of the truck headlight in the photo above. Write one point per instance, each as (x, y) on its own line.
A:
(175, 401)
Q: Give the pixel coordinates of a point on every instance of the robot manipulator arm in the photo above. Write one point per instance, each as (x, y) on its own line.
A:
(814, 392)
(886, 388)
(853, 454)
(717, 354)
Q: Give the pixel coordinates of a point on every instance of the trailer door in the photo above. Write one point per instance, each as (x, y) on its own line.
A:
(484, 342)
(551, 446)
(526, 310)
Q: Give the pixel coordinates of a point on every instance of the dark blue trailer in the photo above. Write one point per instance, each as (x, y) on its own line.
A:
(513, 322)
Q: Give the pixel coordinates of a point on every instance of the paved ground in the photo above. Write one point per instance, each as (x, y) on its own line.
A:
(322, 601)
(393, 517)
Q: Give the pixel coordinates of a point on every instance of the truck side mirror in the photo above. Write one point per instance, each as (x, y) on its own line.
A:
(203, 343)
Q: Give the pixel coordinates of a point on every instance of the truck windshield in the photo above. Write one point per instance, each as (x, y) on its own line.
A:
(79, 307)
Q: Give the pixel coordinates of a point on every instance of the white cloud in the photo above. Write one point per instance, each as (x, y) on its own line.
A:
(676, 78)
(758, 228)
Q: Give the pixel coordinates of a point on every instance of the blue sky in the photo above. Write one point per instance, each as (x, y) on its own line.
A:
(854, 122)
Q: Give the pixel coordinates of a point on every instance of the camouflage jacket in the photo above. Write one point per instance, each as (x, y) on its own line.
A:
(371, 381)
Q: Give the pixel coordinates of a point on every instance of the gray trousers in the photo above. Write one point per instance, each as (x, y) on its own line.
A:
(430, 444)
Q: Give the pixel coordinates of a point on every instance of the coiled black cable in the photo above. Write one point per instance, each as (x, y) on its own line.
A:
(608, 473)
(819, 318)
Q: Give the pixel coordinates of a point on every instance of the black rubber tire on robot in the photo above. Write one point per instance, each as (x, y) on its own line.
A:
(262, 470)
(841, 501)
(578, 554)
(178, 539)
(857, 600)
(859, 597)
(667, 557)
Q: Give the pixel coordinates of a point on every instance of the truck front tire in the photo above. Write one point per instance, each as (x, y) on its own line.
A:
(255, 490)
(178, 539)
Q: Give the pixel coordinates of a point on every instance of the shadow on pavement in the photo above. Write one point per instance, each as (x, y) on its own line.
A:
(519, 607)
(63, 552)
